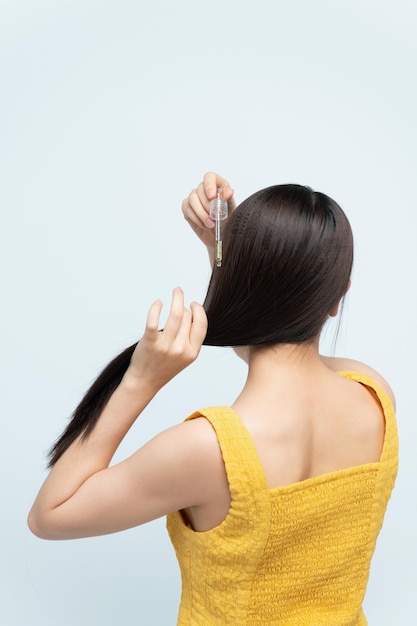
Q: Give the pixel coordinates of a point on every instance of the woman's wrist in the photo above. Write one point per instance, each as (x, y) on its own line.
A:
(138, 386)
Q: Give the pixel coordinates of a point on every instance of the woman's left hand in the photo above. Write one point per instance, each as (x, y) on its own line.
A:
(161, 355)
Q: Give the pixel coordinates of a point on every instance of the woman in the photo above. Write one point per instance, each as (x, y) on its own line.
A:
(274, 504)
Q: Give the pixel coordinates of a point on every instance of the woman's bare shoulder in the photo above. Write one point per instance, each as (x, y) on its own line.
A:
(338, 364)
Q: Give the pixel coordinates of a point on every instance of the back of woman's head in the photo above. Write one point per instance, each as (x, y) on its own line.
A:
(287, 259)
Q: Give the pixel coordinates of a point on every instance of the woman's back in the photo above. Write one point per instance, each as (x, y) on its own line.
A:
(310, 423)
(304, 420)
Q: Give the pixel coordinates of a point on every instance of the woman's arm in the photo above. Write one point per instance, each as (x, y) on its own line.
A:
(82, 496)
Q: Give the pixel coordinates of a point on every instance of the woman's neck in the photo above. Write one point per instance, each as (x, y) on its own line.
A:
(293, 357)
(283, 379)
(273, 369)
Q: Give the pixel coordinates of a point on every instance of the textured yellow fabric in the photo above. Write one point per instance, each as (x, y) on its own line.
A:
(294, 555)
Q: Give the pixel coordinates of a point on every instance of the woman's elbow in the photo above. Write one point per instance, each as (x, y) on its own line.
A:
(40, 526)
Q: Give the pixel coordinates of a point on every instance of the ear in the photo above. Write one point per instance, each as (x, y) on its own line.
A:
(333, 311)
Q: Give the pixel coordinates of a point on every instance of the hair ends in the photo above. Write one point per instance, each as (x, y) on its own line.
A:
(91, 406)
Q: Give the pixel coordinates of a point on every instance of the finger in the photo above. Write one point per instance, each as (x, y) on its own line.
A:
(195, 212)
(199, 325)
(227, 194)
(152, 320)
(212, 182)
(183, 335)
(202, 196)
(175, 314)
(204, 203)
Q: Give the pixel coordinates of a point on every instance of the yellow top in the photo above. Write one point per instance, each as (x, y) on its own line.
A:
(294, 555)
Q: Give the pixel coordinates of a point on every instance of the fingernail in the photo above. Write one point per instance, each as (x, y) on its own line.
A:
(211, 193)
(209, 223)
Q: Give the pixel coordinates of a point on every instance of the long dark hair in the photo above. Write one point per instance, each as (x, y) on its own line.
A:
(287, 259)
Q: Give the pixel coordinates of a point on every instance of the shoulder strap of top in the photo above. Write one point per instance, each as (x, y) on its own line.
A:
(243, 466)
(390, 446)
(388, 465)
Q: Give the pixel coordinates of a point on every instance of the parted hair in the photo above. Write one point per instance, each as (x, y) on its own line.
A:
(287, 260)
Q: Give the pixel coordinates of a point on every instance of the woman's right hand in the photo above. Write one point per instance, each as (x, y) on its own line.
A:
(196, 207)
(162, 354)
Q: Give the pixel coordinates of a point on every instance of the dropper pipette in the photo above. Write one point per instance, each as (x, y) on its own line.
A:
(218, 212)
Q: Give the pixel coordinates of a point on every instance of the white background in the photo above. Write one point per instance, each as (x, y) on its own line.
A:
(110, 112)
